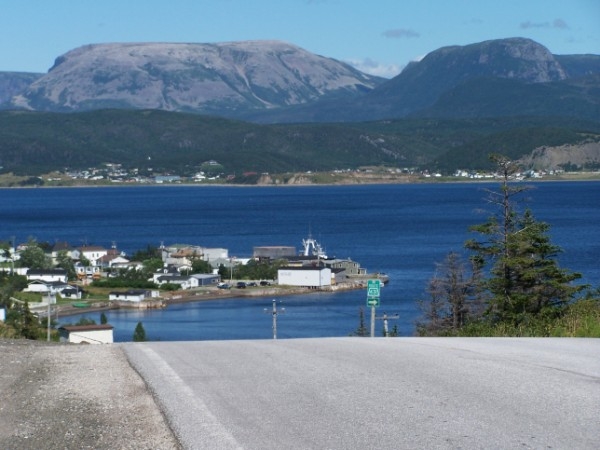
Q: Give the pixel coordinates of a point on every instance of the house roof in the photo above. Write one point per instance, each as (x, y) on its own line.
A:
(46, 272)
(111, 257)
(61, 246)
(174, 278)
(93, 327)
(130, 292)
(48, 283)
(91, 248)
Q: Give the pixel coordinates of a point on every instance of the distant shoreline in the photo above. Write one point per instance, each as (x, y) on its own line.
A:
(571, 177)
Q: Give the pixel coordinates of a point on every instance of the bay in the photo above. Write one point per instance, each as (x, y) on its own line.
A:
(402, 230)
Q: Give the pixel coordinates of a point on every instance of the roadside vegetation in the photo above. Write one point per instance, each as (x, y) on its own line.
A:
(511, 284)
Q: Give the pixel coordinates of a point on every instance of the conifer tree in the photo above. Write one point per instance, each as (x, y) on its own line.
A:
(139, 335)
(453, 298)
(29, 326)
(524, 277)
(362, 329)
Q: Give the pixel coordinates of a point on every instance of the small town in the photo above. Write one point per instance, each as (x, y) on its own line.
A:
(66, 280)
(115, 173)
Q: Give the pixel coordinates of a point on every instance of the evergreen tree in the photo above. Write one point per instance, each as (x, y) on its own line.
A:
(103, 319)
(28, 326)
(525, 280)
(362, 329)
(139, 335)
(453, 298)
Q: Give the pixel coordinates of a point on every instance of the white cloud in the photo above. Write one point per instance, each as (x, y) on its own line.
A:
(371, 67)
(557, 23)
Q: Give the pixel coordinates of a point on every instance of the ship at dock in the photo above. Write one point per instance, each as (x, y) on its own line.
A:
(345, 270)
(313, 254)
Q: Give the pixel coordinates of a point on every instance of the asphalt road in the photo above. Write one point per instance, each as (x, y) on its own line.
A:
(377, 393)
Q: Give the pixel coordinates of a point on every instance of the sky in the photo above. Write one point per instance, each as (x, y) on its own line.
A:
(376, 36)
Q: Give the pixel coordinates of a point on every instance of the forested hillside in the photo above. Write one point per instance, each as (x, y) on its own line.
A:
(35, 143)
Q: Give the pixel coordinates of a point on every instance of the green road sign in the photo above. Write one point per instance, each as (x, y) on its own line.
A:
(373, 288)
(372, 301)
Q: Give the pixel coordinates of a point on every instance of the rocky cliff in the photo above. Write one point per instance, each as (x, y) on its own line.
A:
(14, 83)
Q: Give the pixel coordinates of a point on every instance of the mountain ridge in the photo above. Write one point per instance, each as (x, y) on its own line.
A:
(188, 77)
(444, 112)
(273, 81)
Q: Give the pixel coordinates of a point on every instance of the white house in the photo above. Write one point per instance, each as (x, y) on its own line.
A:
(86, 334)
(71, 292)
(45, 287)
(91, 252)
(113, 258)
(169, 271)
(184, 282)
(132, 295)
(306, 276)
(47, 275)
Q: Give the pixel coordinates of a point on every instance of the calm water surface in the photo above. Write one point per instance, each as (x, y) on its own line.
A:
(402, 230)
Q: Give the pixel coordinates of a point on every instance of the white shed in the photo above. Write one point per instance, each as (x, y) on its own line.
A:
(132, 295)
(87, 334)
(305, 276)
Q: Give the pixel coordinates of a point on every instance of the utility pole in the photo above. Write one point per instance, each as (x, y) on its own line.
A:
(385, 319)
(275, 313)
(51, 299)
(373, 320)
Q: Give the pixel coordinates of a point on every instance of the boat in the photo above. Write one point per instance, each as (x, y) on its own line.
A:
(80, 305)
(312, 248)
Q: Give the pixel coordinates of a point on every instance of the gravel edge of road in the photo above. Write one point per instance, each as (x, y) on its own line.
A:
(76, 396)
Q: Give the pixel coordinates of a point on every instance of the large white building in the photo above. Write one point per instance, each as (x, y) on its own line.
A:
(314, 277)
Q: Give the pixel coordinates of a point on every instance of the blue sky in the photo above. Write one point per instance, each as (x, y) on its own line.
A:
(376, 36)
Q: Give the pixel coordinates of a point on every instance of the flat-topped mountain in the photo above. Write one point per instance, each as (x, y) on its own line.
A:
(206, 78)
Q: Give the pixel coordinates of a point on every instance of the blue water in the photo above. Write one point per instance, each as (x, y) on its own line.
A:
(402, 230)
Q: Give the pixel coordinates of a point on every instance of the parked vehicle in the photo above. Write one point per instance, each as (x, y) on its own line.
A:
(223, 286)
(240, 285)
